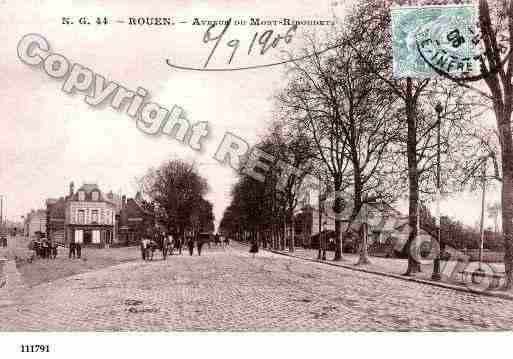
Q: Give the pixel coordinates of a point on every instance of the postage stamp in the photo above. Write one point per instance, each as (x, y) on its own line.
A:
(442, 35)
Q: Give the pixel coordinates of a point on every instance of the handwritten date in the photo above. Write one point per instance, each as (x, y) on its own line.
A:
(260, 43)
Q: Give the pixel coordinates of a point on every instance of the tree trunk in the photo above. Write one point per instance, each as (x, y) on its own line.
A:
(291, 243)
(319, 247)
(507, 194)
(357, 209)
(273, 236)
(413, 177)
(276, 234)
(364, 257)
(337, 208)
(283, 235)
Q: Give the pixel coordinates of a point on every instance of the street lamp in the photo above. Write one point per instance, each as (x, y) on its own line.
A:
(481, 242)
(436, 264)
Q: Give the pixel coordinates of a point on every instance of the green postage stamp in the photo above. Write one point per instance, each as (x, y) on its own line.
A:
(424, 37)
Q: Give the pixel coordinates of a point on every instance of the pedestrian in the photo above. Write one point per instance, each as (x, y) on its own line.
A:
(254, 248)
(79, 250)
(199, 244)
(190, 244)
(144, 246)
(46, 249)
(71, 250)
(172, 242)
(53, 249)
(179, 243)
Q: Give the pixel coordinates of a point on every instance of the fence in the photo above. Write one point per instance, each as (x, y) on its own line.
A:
(488, 256)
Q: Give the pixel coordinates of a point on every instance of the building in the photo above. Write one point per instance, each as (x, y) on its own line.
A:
(387, 228)
(35, 221)
(87, 216)
(94, 218)
(135, 218)
(55, 218)
(90, 217)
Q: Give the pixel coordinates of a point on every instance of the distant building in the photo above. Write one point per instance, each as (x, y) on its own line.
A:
(387, 228)
(90, 216)
(86, 216)
(55, 218)
(35, 221)
(135, 217)
(94, 218)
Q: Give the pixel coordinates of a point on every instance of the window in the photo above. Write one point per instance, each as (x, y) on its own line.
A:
(81, 195)
(94, 216)
(96, 196)
(81, 216)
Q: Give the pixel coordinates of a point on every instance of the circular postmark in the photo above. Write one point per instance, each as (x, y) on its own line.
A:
(454, 47)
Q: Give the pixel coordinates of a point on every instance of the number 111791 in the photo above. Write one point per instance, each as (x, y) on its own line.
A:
(31, 348)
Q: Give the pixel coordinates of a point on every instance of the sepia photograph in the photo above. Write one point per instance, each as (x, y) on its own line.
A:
(213, 174)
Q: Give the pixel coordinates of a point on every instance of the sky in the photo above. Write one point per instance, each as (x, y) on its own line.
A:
(50, 138)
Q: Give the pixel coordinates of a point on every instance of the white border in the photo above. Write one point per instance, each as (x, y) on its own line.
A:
(251, 345)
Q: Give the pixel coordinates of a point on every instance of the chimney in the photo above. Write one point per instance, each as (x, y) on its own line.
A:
(71, 188)
(123, 201)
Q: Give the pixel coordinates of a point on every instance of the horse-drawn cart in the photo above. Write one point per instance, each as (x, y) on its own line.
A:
(164, 244)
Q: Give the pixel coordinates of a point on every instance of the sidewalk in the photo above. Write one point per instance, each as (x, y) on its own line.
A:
(395, 267)
(11, 281)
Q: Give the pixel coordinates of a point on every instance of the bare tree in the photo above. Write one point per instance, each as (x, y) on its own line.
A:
(312, 102)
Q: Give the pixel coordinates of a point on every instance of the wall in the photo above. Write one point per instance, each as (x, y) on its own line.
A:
(106, 212)
(37, 222)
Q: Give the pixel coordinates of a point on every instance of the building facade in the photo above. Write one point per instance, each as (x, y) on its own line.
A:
(90, 217)
(35, 221)
(387, 228)
(135, 218)
(86, 216)
(55, 218)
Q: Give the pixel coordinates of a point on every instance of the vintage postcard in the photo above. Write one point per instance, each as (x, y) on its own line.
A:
(253, 166)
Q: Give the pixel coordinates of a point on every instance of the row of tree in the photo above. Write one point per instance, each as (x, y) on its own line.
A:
(343, 117)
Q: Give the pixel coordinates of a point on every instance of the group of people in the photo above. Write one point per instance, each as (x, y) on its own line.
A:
(190, 244)
(75, 250)
(168, 243)
(44, 248)
(199, 241)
